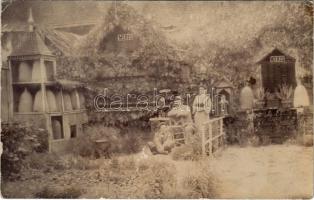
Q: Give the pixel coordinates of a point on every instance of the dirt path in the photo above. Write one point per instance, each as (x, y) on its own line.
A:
(276, 171)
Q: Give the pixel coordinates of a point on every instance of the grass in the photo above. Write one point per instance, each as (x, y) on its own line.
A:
(119, 177)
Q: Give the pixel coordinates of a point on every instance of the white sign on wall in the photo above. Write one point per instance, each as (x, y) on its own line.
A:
(124, 37)
(277, 59)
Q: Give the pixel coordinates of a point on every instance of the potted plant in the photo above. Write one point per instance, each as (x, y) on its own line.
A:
(260, 95)
(284, 93)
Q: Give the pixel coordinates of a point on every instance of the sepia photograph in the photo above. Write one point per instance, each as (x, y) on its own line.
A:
(156, 99)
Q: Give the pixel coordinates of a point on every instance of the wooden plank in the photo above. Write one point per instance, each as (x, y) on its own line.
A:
(211, 142)
(203, 141)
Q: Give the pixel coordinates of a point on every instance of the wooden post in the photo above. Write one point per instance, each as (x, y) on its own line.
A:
(210, 145)
(203, 139)
(10, 92)
(42, 85)
(62, 100)
(221, 132)
(54, 69)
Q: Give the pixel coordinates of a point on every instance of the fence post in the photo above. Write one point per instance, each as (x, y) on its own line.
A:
(203, 138)
(210, 145)
(222, 132)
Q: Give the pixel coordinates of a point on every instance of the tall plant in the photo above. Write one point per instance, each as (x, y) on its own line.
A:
(262, 94)
(284, 92)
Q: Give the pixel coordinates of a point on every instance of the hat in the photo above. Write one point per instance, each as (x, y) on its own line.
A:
(177, 98)
(203, 85)
(251, 80)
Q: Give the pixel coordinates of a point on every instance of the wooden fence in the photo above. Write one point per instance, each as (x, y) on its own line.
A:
(213, 136)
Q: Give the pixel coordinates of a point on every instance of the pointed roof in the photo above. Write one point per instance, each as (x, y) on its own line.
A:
(30, 17)
(223, 83)
(30, 43)
(276, 52)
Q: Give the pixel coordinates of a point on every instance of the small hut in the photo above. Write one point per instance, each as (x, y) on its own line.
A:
(277, 68)
(222, 97)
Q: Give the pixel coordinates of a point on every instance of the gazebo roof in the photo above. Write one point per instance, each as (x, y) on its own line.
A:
(30, 43)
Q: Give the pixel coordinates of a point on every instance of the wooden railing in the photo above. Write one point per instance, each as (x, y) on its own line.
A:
(213, 136)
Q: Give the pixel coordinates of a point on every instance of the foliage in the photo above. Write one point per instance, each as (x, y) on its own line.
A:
(20, 140)
(284, 92)
(130, 140)
(200, 183)
(158, 180)
(149, 54)
(261, 94)
(183, 152)
(187, 152)
(275, 124)
(85, 145)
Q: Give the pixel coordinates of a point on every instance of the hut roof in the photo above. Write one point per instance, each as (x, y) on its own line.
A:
(276, 52)
(223, 82)
(29, 43)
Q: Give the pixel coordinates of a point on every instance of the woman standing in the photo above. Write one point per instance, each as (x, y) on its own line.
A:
(201, 108)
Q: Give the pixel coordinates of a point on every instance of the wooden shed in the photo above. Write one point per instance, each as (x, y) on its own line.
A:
(277, 68)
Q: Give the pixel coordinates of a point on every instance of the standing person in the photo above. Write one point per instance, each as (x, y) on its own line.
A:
(201, 108)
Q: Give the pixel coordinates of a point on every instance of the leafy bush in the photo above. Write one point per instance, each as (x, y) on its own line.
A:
(284, 92)
(156, 181)
(128, 141)
(261, 94)
(200, 183)
(132, 143)
(20, 140)
(50, 192)
(85, 144)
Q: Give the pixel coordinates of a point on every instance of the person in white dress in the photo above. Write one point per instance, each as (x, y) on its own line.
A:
(201, 108)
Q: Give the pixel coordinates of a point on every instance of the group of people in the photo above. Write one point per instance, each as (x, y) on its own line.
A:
(181, 114)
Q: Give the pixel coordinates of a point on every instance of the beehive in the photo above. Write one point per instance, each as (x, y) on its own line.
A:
(82, 100)
(59, 101)
(38, 103)
(67, 101)
(246, 98)
(51, 101)
(74, 100)
(25, 102)
(36, 73)
(301, 97)
(56, 129)
(25, 72)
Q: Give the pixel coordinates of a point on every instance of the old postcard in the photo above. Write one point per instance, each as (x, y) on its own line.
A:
(157, 99)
